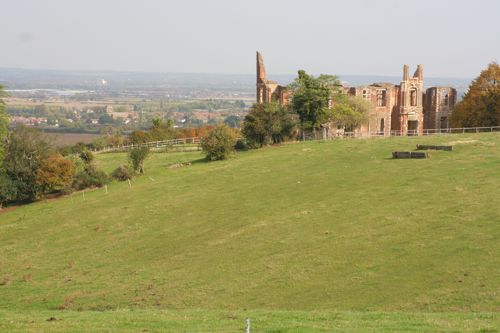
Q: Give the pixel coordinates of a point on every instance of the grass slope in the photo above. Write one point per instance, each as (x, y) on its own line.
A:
(311, 226)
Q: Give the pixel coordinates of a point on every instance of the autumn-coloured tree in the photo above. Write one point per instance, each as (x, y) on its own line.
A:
(481, 104)
(55, 173)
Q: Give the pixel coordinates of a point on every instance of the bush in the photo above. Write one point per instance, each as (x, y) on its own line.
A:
(137, 157)
(8, 189)
(55, 173)
(219, 143)
(90, 177)
(241, 145)
(268, 123)
(86, 156)
(122, 173)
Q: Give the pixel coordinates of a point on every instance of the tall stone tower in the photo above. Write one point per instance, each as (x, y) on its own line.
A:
(261, 79)
(410, 100)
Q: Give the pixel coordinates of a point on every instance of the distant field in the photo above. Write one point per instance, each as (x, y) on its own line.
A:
(69, 139)
(305, 237)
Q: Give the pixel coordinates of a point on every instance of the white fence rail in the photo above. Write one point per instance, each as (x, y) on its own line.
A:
(427, 132)
(175, 143)
(195, 141)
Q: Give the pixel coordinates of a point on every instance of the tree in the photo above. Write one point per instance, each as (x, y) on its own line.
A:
(26, 149)
(349, 112)
(137, 157)
(312, 98)
(4, 123)
(55, 173)
(219, 143)
(268, 123)
(232, 121)
(481, 104)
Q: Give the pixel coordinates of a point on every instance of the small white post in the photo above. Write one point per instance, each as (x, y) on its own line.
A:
(83, 194)
(129, 183)
(248, 325)
(106, 188)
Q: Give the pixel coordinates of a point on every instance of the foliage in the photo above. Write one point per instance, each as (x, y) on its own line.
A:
(268, 123)
(311, 98)
(55, 173)
(26, 149)
(480, 106)
(241, 145)
(137, 157)
(90, 176)
(4, 123)
(8, 189)
(232, 121)
(122, 173)
(219, 143)
(348, 111)
(87, 156)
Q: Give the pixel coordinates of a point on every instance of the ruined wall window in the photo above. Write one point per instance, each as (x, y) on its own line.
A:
(381, 97)
(413, 97)
(382, 125)
(444, 99)
(433, 98)
(366, 94)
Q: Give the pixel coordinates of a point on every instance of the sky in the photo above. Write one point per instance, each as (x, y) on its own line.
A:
(451, 38)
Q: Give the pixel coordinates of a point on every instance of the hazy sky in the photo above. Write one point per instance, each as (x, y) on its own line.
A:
(451, 38)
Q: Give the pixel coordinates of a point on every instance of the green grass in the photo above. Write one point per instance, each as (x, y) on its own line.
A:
(336, 227)
(273, 321)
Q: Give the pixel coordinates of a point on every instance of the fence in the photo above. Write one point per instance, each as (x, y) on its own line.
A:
(426, 132)
(175, 144)
(194, 142)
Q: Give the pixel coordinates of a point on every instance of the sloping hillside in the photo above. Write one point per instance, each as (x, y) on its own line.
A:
(319, 225)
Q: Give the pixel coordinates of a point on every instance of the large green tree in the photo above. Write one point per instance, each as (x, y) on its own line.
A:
(26, 149)
(269, 123)
(481, 104)
(312, 98)
(4, 123)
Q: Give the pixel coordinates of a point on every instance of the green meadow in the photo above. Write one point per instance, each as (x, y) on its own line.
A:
(303, 237)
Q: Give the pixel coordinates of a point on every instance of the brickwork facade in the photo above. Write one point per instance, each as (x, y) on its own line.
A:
(404, 109)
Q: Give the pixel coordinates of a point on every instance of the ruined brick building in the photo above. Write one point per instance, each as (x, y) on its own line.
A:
(404, 109)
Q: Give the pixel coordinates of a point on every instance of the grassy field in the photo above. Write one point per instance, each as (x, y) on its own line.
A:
(336, 228)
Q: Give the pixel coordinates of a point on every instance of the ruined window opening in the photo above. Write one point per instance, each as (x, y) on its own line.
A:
(443, 99)
(366, 94)
(413, 97)
(381, 97)
(382, 125)
(433, 98)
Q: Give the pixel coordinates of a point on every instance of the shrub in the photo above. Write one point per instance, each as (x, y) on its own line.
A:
(122, 173)
(8, 189)
(241, 144)
(268, 123)
(55, 173)
(137, 157)
(90, 177)
(86, 156)
(219, 143)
